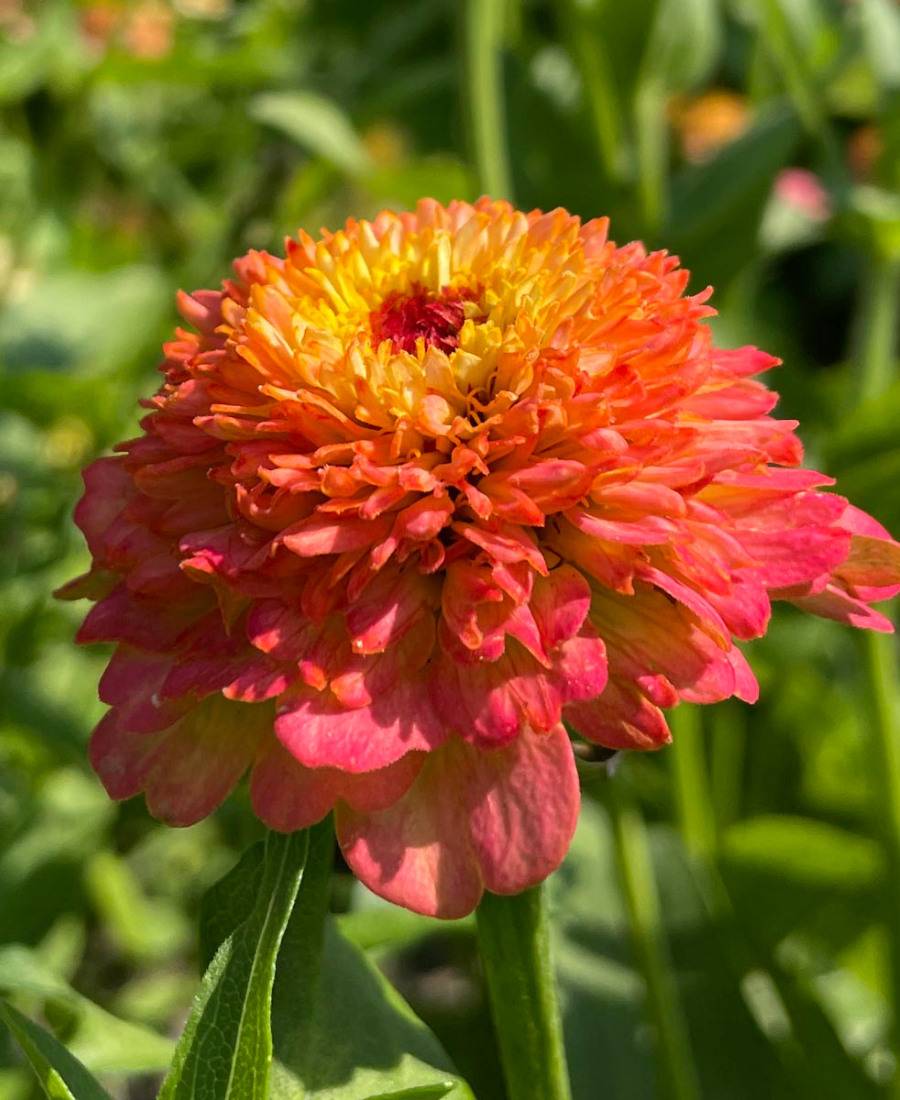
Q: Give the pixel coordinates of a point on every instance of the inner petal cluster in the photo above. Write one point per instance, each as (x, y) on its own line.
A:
(405, 319)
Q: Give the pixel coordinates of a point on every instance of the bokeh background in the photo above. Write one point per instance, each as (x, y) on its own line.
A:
(752, 947)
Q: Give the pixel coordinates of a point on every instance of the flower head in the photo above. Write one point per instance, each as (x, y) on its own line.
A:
(419, 493)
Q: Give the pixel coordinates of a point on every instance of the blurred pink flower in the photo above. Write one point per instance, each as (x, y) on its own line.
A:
(804, 191)
(414, 496)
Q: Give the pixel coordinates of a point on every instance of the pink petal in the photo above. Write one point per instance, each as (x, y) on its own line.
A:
(560, 603)
(108, 489)
(132, 683)
(622, 718)
(790, 557)
(321, 732)
(325, 534)
(186, 771)
(649, 530)
(144, 624)
(198, 765)
(872, 562)
(288, 796)
(835, 603)
(475, 700)
(122, 760)
(388, 608)
(473, 819)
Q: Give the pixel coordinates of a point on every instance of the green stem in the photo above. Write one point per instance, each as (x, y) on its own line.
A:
(881, 667)
(729, 740)
(693, 796)
(792, 61)
(677, 1075)
(514, 942)
(876, 335)
(651, 130)
(876, 327)
(484, 88)
(589, 50)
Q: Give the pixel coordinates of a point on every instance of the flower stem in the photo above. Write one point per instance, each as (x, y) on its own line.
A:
(514, 942)
(881, 666)
(677, 1075)
(877, 335)
(484, 89)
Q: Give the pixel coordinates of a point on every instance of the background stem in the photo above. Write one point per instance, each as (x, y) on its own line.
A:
(484, 91)
(514, 943)
(876, 334)
(693, 796)
(876, 327)
(677, 1075)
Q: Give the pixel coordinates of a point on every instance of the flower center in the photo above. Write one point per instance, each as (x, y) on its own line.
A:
(404, 319)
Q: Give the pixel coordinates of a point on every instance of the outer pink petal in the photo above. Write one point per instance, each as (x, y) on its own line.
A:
(836, 603)
(188, 770)
(121, 759)
(108, 488)
(123, 617)
(288, 796)
(319, 732)
(792, 557)
(622, 718)
(132, 682)
(873, 563)
(473, 819)
(523, 808)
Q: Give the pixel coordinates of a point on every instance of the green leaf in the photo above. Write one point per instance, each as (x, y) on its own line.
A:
(683, 43)
(62, 324)
(803, 850)
(228, 903)
(226, 1048)
(339, 1029)
(100, 1040)
(787, 873)
(61, 1075)
(715, 197)
(379, 927)
(349, 1035)
(316, 123)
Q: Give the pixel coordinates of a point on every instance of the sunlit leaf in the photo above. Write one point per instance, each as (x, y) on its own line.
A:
(316, 123)
(100, 1040)
(226, 1048)
(340, 1031)
(62, 1076)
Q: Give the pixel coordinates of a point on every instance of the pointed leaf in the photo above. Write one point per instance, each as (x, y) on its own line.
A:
(226, 1048)
(97, 1038)
(315, 122)
(339, 1029)
(61, 1075)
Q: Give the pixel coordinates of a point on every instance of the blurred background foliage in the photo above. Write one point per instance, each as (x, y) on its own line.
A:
(752, 949)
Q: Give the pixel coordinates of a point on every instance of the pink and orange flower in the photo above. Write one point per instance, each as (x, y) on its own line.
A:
(420, 496)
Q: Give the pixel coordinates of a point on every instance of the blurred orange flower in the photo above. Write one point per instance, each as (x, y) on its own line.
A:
(705, 123)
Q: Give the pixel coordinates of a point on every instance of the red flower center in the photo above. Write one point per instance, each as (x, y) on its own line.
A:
(405, 318)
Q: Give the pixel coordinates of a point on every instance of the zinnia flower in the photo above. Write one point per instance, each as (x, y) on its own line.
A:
(417, 498)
